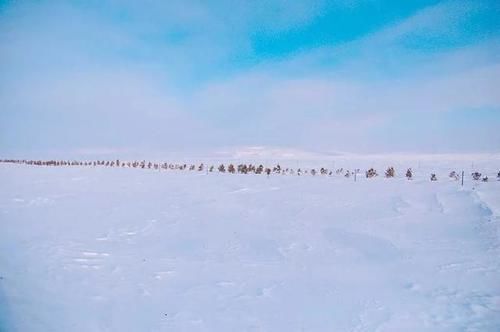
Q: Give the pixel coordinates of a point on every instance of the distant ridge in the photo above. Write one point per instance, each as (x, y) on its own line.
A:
(263, 152)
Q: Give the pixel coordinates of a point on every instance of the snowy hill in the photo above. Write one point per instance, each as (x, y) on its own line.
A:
(273, 153)
(118, 249)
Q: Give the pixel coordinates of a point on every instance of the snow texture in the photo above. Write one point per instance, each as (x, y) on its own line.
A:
(96, 249)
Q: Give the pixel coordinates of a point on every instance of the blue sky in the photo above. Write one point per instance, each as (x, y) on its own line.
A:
(359, 76)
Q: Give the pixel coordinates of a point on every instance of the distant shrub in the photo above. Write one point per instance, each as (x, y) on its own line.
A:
(371, 173)
(390, 172)
(454, 175)
(476, 176)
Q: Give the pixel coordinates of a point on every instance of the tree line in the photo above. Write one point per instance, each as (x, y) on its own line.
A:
(231, 168)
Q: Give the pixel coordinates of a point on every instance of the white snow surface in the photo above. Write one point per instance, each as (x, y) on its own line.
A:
(112, 249)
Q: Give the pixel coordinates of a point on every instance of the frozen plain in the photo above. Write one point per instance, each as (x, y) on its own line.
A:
(96, 249)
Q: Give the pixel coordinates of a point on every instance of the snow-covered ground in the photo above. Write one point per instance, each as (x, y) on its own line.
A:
(101, 249)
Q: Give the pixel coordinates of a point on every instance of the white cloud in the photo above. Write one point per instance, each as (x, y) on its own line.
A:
(132, 92)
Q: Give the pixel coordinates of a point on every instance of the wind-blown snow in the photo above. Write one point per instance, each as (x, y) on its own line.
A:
(95, 249)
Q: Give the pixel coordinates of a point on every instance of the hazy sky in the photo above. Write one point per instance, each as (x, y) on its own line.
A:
(367, 75)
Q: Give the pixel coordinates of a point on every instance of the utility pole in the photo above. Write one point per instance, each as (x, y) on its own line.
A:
(462, 178)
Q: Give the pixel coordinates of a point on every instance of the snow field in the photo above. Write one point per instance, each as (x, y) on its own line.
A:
(95, 249)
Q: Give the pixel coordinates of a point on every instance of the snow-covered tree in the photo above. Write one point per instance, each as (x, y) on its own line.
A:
(409, 174)
(390, 172)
